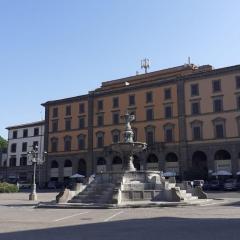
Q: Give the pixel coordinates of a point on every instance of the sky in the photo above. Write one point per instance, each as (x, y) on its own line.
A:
(63, 48)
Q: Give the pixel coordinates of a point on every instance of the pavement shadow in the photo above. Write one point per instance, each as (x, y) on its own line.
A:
(164, 228)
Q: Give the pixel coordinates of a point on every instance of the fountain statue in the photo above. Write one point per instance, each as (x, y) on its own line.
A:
(128, 147)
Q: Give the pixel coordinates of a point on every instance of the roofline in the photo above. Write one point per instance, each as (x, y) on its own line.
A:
(65, 100)
(161, 79)
(26, 125)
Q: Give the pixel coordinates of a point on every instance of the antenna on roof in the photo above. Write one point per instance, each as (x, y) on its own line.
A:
(145, 64)
(189, 61)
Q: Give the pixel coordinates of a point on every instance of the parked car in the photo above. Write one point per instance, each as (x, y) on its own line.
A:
(198, 183)
(51, 185)
(215, 185)
(230, 184)
(24, 185)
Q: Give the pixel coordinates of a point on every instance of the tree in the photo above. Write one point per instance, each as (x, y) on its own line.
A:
(3, 143)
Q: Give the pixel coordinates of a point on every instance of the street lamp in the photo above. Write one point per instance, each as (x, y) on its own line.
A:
(35, 159)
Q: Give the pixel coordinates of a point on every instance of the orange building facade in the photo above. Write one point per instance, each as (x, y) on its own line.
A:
(188, 115)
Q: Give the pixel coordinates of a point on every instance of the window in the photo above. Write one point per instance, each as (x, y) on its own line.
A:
(13, 147)
(219, 130)
(149, 97)
(194, 90)
(68, 124)
(100, 120)
(196, 126)
(25, 133)
(217, 105)
(23, 161)
(168, 132)
(24, 146)
(115, 117)
(55, 125)
(131, 99)
(115, 136)
(168, 111)
(169, 135)
(219, 127)
(216, 85)
(149, 114)
(81, 142)
(196, 133)
(100, 105)
(54, 144)
(167, 93)
(55, 112)
(81, 123)
(36, 131)
(115, 102)
(237, 82)
(15, 134)
(68, 110)
(238, 102)
(13, 162)
(81, 108)
(150, 135)
(67, 143)
(100, 139)
(35, 144)
(195, 108)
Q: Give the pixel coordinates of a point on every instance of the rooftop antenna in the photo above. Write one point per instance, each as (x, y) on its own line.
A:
(189, 61)
(145, 64)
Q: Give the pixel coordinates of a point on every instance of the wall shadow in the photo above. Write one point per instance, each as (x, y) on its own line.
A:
(164, 228)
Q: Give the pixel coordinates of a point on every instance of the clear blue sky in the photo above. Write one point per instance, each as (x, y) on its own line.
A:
(60, 48)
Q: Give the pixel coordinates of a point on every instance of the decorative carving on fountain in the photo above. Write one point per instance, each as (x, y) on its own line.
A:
(128, 147)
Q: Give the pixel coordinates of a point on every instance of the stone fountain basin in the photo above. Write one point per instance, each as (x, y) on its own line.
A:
(129, 147)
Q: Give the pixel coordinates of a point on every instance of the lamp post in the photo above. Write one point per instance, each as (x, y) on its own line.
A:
(35, 158)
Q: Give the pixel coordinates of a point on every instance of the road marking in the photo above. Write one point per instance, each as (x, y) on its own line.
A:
(210, 204)
(114, 215)
(60, 219)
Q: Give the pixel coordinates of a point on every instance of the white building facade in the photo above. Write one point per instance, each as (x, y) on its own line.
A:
(21, 140)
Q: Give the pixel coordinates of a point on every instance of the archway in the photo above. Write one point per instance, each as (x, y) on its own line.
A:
(82, 167)
(117, 163)
(136, 162)
(101, 164)
(152, 162)
(222, 160)
(171, 163)
(199, 165)
(222, 155)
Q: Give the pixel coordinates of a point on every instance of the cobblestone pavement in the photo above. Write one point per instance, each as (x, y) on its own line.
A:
(19, 220)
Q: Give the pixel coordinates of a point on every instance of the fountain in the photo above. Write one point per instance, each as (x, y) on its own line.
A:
(129, 185)
(128, 147)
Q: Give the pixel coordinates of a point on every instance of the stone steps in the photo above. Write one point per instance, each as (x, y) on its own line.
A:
(95, 193)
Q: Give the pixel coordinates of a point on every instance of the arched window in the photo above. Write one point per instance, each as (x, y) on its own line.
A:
(101, 161)
(171, 157)
(68, 163)
(117, 160)
(222, 155)
(152, 158)
(67, 143)
(54, 164)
